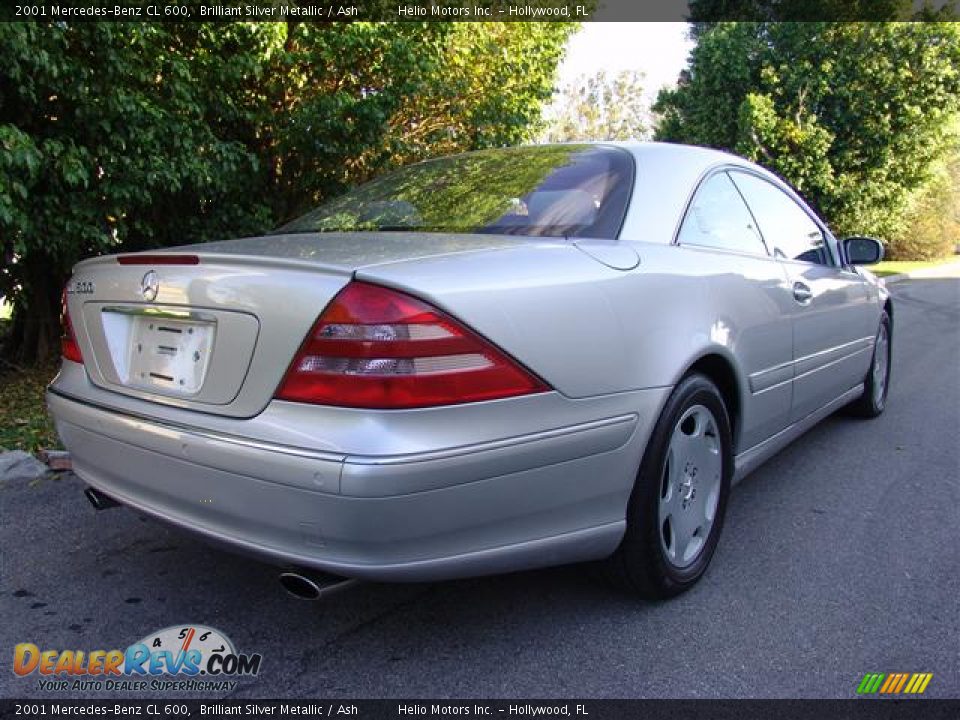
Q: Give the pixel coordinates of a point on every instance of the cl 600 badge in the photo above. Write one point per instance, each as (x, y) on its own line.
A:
(81, 287)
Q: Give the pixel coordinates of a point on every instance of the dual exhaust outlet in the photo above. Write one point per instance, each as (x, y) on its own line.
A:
(302, 584)
(99, 500)
(314, 585)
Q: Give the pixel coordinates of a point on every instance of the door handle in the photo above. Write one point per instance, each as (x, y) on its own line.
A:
(802, 293)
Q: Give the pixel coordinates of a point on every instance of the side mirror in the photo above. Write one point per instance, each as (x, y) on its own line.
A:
(862, 250)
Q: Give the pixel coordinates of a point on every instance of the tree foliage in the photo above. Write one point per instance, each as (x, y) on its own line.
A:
(600, 107)
(932, 227)
(855, 115)
(121, 136)
(706, 13)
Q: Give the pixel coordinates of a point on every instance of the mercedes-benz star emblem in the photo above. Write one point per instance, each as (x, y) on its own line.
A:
(150, 286)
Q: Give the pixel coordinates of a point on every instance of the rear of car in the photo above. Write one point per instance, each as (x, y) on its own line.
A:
(372, 391)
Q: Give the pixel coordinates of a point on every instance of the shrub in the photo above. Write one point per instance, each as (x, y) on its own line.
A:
(933, 221)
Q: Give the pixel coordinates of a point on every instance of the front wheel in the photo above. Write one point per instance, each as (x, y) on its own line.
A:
(877, 384)
(678, 504)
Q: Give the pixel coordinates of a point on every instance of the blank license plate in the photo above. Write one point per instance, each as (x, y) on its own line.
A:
(168, 354)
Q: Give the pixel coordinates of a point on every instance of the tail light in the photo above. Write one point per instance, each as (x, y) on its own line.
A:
(158, 259)
(68, 340)
(378, 348)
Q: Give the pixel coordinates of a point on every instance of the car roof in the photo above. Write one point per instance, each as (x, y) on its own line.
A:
(694, 155)
(679, 158)
(666, 176)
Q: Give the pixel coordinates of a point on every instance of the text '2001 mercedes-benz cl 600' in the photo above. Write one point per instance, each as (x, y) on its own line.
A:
(482, 363)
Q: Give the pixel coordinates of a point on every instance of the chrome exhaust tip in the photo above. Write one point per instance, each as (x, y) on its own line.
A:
(99, 500)
(314, 585)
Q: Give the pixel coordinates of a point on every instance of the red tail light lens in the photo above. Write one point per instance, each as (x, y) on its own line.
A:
(68, 340)
(378, 348)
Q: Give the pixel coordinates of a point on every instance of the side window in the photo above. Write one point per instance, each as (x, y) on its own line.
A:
(789, 231)
(718, 218)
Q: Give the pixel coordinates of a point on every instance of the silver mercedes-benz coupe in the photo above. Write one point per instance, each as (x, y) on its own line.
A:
(488, 362)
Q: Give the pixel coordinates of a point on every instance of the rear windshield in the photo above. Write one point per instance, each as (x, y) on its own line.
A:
(549, 190)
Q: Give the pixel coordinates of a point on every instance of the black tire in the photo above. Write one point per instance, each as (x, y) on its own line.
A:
(871, 403)
(641, 565)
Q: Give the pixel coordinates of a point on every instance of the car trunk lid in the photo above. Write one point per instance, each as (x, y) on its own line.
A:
(214, 327)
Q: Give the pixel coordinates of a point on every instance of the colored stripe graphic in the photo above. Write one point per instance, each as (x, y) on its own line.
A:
(927, 677)
(894, 683)
(870, 683)
(888, 685)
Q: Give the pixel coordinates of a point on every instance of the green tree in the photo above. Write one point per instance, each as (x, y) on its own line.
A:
(932, 222)
(104, 145)
(600, 107)
(855, 115)
(118, 137)
(706, 13)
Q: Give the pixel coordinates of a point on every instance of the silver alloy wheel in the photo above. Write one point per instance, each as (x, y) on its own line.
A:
(690, 486)
(881, 360)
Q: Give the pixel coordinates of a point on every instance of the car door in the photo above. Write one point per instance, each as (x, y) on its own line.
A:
(750, 295)
(832, 315)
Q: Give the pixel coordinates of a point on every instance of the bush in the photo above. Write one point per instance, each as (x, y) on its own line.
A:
(933, 221)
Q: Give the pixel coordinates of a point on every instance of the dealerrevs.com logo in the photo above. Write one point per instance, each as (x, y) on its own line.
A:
(180, 657)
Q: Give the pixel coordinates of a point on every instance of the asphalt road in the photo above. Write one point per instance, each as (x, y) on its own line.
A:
(840, 557)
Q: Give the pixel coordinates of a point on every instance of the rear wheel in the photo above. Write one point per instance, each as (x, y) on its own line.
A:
(679, 500)
(877, 383)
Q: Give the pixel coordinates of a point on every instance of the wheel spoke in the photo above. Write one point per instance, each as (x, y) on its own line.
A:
(669, 503)
(672, 502)
(707, 509)
(698, 423)
(680, 449)
(685, 527)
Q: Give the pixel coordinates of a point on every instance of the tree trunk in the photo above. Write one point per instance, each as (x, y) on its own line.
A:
(35, 332)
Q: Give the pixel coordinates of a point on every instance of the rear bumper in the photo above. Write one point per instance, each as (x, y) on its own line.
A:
(529, 500)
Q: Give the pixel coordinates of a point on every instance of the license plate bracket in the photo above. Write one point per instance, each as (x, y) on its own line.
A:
(160, 352)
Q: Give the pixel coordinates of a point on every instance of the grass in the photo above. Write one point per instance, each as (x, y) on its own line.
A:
(895, 267)
(24, 423)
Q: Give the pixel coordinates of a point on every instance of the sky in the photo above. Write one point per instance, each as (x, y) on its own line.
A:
(659, 50)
